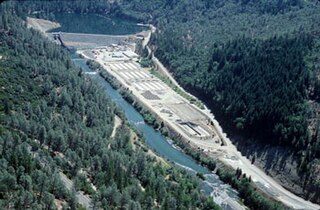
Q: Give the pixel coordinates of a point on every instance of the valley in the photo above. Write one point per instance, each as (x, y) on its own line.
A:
(197, 127)
(162, 102)
(160, 105)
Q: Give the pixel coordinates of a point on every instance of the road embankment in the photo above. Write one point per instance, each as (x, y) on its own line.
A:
(42, 25)
(231, 157)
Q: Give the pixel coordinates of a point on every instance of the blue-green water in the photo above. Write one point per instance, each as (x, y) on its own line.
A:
(211, 186)
(94, 24)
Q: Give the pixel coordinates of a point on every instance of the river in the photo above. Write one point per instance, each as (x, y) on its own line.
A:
(222, 193)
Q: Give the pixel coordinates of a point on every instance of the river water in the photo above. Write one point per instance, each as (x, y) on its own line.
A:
(222, 193)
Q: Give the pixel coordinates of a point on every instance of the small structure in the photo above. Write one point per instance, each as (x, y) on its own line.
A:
(117, 55)
(195, 130)
(140, 36)
(131, 54)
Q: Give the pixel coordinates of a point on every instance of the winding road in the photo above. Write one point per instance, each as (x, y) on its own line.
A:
(232, 157)
(227, 154)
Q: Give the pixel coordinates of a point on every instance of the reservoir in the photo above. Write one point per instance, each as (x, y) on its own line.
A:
(94, 24)
(222, 193)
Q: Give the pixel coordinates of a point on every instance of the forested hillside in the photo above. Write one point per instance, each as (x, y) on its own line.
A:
(256, 65)
(236, 58)
(77, 6)
(261, 90)
(54, 119)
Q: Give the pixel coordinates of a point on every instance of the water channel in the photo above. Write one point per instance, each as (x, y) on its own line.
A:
(222, 193)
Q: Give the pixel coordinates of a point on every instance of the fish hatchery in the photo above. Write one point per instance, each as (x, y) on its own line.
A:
(176, 112)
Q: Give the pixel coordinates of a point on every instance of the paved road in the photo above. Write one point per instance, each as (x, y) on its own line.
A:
(266, 183)
(84, 200)
(231, 156)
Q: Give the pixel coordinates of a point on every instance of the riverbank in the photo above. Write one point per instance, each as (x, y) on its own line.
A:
(112, 68)
(235, 159)
(228, 154)
(223, 194)
(277, 162)
(226, 173)
(231, 159)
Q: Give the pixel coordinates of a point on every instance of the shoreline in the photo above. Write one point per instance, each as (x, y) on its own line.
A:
(287, 198)
(230, 156)
(179, 143)
(209, 113)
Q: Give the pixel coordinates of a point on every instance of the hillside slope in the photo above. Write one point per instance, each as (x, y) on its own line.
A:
(54, 119)
(256, 65)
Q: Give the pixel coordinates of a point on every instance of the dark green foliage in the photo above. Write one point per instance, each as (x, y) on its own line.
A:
(145, 62)
(260, 83)
(82, 184)
(57, 119)
(261, 87)
(275, 6)
(251, 197)
(24, 184)
(77, 6)
(201, 176)
(248, 61)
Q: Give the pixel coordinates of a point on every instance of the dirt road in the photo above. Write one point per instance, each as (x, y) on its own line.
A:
(41, 24)
(117, 123)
